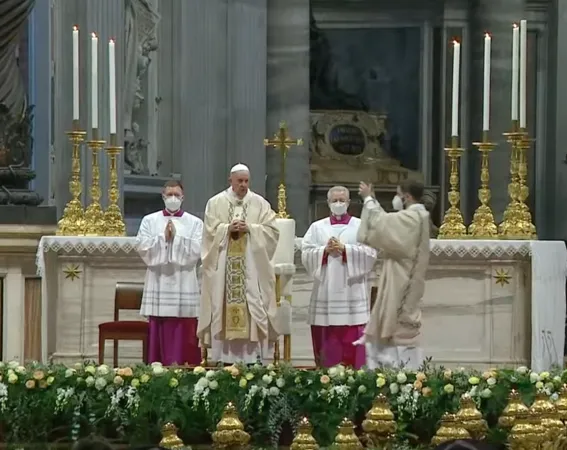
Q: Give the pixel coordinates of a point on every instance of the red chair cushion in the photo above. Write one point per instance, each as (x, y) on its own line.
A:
(127, 326)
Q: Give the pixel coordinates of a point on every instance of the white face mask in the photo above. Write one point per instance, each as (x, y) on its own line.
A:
(397, 203)
(172, 203)
(338, 208)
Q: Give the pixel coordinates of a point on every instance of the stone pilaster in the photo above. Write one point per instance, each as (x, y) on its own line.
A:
(288, 99)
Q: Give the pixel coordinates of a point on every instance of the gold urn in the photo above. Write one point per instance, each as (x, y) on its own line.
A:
(470, 418)
(547, 413)
(169, 437)
(304, 439)
(514, 406)
(379, 426)
(449, 429)
(561, 403)
(527, 432)
(346, 438)
(230, 430)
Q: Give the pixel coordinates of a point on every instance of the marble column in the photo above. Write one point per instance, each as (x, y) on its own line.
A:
(106, 18)
(496, 16)
(288, 99)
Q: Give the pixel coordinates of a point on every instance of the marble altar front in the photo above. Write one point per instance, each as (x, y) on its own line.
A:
(487, 303)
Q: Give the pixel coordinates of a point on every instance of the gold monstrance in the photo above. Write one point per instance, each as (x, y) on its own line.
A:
(283, 142)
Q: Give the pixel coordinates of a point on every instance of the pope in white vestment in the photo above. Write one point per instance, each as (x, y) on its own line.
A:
(169, 242)
(393, 331)
(340, 266)
(238, 304)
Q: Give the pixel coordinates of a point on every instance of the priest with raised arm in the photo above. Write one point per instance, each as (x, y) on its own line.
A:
(169, 242)
(393, 331)
(238, 304)
(340, 266)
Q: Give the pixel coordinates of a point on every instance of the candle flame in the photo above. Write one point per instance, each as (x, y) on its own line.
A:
(515, 25)
(94, 36)
(75, 28)
(111, 41)
(487, 35)
(456, 42)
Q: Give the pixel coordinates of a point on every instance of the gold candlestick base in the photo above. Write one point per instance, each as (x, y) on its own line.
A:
(483, 225)
(453, 226)
(94, 215)
(282, 203)
(73, 222)
(114, 222)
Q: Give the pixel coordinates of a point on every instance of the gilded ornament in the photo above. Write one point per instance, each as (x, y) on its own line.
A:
(379, 426)
(561, 403)
(72, 272)
(502, 277)
(346, 438)
(170, 439)
(230, 432)
(449, 429)
(304, 439)
(453, 226)
(526, 434)
(547, 413)
(526, 228)
(113, 220)
(470, 418)
(512, 409)
(282, 142)
(94, 215)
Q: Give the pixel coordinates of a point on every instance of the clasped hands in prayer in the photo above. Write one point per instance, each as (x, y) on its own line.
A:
(238, 226)
(169, 231)
(334, 247)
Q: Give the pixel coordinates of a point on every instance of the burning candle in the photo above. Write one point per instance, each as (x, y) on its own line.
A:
(486, 90)
(455, 102)
(523, 70)
(112, 85)
(515, 69)
(94, 80)
(75, 73)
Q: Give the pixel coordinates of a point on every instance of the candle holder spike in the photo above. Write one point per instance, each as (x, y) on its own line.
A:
(114, 223)
(483, 225)
(453, 226)
(73, 221)
(94, 215)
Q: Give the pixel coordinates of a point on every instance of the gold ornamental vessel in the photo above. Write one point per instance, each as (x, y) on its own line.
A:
(450, 429)
(547, 413)
(526, 434)
(304, 439)
(346, 438)
(561, 403)
(512, 409)
(230, 432)
(170, 439)
(470, 418)
(379, 426)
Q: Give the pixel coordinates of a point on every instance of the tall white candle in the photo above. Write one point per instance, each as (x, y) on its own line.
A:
(515, 69)
(75, 73)
(523, 70)
(94, 80)
(112, 85)
(455, 102)
(486, 90)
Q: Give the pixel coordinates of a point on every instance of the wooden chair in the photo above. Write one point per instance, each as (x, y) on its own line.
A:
(128, 296)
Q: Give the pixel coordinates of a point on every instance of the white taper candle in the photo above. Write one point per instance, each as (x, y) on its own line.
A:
(75, 73)
(523, 70)
(515, 69)
(94, 81)
(486, 89)
(456, 80)
(112, 85)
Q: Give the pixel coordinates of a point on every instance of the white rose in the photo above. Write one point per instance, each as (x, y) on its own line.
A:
(522, 370)
(394, 388)
(274, 391)
(270, 367)
(554, 397)
(333, 372)
(100, 383)
(21, 370)
(158, 370)
(156, 364)
(491, 381)
(407, 388)
(198, 370)
(486, 393)
(401, 377)
(210, 374)
(203, 382)
(214, 385)
(69, 373)
(12, 378)
(90, 369)
(280, 382)
(90, 381)
(103, 370)
(267, 379)
(534, 377)
(13, 364)
(557, 379)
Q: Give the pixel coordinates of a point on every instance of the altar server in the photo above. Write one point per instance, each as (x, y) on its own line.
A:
(169, 242)
(393, 331)
(340, 266)
(238, 303)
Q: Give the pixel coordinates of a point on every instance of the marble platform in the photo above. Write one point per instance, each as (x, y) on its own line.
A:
(491, 303)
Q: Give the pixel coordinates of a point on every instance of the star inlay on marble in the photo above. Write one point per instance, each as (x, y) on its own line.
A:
(72, 272)
(502, 277)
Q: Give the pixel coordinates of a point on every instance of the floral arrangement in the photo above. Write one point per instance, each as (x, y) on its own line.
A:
(49, 403)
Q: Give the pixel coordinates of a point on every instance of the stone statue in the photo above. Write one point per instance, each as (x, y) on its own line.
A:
(141, 40)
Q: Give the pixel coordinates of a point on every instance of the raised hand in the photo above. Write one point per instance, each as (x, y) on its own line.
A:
(365, 190)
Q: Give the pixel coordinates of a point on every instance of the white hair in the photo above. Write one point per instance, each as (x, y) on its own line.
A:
(338, 189)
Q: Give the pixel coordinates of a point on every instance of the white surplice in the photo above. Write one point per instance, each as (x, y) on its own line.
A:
(340, 293)
(261, 245)
(171, 288)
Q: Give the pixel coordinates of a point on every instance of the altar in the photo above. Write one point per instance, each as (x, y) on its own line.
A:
(487, 303)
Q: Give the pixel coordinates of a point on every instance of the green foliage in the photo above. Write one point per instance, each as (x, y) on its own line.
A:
(50, 403)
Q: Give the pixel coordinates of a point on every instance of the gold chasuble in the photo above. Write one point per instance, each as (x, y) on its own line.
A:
(236, 308)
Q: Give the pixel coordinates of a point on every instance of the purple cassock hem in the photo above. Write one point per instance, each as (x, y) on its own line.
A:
(332, 345)
(173, 340)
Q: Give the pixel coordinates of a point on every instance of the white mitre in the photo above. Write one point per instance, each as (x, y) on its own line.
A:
(240, 168)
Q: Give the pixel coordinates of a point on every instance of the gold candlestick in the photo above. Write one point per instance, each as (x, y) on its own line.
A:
(113, 216)
(453, 226)
(278, 304)
(73, 222)
(508, 228)
(483, 226)
(526, 229)
(94, 216)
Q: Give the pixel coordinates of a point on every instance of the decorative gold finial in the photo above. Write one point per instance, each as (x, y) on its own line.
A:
(526, 228)
(449, 430)
(282, 142)
(561, 403)
(512, 409)
(526, 433)
(453, 226)
(545, 411)
(483, 226)
(230, 430)
(170, 439)
(94, 215)
(470, 418)
(73, 221)
(113, 216)
(379, 426)
(346, 438)
(304, 439)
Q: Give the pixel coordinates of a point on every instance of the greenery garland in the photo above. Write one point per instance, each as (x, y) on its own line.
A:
(49, 403)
